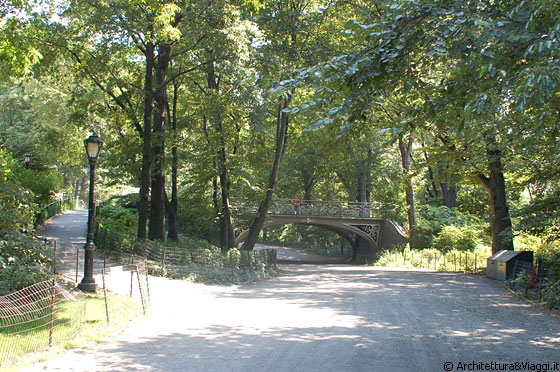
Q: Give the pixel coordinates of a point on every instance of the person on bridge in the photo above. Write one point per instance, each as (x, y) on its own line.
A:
(296, 202)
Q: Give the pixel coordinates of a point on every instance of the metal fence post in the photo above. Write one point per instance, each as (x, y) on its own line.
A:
(147, 283)
(454, 261)
(51, 325)
(77, 261)
(475, 258)
(163, 248)
(131, 275)
(140, 289)
(54, 260)
(103, 273)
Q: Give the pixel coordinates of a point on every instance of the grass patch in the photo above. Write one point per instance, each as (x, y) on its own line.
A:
(75, 325)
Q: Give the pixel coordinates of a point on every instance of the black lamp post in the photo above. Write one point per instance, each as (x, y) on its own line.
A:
(27, 159)
(93, 146)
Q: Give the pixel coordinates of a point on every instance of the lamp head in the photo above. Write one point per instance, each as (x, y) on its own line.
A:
(93, 145)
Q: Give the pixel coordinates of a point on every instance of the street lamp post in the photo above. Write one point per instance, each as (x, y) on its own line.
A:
(93, 146)
(27, 159)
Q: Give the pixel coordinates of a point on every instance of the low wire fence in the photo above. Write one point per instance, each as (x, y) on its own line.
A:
(431, 259)
(55, 313)
(53, 209)
(208, 265)
(37, 317)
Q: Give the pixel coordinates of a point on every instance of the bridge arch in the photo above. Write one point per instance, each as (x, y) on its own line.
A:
(341, 218)
(340, 229)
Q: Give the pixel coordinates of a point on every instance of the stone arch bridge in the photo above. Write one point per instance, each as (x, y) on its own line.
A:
(346, 219)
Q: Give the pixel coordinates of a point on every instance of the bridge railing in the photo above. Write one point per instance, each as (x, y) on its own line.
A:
(314, 208)
(311, 208)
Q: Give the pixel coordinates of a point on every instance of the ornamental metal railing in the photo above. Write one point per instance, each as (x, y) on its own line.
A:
(53, 209)
(311, 208)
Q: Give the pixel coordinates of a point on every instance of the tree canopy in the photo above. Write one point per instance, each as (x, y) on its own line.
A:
(203, 104)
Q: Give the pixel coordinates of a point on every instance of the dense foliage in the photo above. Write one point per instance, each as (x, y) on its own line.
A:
(444, 114)
(23, 260)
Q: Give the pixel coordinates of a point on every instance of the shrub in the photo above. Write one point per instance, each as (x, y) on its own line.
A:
(118, 219)
(550, 294)
(233, 257)
(431, 221)
(42, 183)
(196, 215)
(17, 208)
(423, 235)
(455, 237)
(23, 261)
(540, 217)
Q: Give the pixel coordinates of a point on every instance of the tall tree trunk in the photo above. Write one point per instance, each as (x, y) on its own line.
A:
(172, 206)
(157, 201)
(405, 150)
(449, 193)
(227, 235)
(347, 187)
(362, 186)
(495, 186)
(432, 188)
(281, 138)
(362, 193)
(307, 190)
(147, 145)
(215, 187)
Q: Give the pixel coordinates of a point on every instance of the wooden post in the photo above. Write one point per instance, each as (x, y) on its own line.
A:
(132, 267)
(103, 272)
(147, 284)
(454, 261)
(163, 261)
(105, 295)
(140, 289)
(77, 262)
(53, 299)
(54, 260)
(475, 257)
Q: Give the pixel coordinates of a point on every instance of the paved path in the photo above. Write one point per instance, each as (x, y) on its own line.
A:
(287, 255)
(69, 228)
(69, 231)
(328, 318)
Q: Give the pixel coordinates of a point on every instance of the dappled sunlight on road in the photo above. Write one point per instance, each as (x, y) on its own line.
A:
(327, 318)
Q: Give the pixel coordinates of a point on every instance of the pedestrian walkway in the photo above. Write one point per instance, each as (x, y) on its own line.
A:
(69, 231)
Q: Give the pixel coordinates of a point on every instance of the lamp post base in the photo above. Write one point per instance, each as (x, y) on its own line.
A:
(87, 286)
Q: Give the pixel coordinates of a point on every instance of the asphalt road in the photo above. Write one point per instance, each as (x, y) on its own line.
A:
(328, 318)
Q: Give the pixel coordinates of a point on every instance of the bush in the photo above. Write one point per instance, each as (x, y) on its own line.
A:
(23, 262)
(547, 253)
(233, 258)
(42, 183)
(433, 219)
(17, 208)
(119, 214)
(455, 237)
(196, 216)
(550, 294)
(403, 257)
(541, 217)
